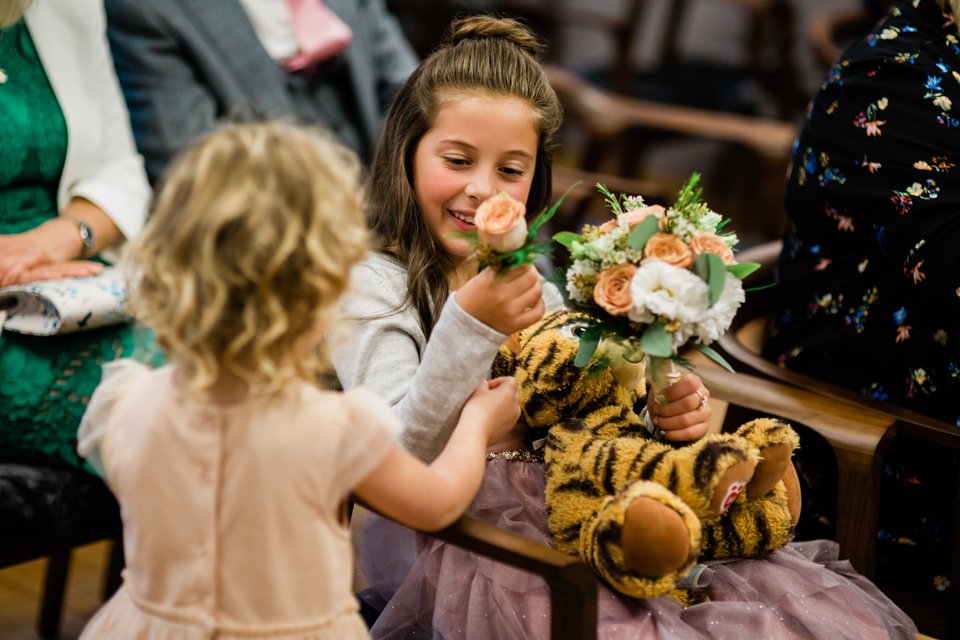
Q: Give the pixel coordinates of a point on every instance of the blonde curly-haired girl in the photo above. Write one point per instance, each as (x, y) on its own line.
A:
(231, 464)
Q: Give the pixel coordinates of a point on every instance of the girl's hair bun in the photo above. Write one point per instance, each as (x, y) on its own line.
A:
(487, 26)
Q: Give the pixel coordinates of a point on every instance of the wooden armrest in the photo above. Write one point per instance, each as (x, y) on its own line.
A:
(744, 341)
(572, 583)
(610, 115)
(858, 436)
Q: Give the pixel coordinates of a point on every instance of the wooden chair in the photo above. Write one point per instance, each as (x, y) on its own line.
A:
(769, 53)
(767, 48)
(46, 512)
(604, 132)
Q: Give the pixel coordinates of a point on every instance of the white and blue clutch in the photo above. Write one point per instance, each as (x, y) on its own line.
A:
(51, 307)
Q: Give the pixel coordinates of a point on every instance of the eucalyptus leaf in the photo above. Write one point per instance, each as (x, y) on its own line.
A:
(716, 276)
(713, 355)
(742, 269)
(588, 346)
(656, 341)
(700, 267)
(641, 233)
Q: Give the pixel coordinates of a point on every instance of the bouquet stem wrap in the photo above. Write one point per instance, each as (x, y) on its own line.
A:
(663, 372)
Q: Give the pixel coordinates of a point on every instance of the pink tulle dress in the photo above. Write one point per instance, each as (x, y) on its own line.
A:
(430, 589)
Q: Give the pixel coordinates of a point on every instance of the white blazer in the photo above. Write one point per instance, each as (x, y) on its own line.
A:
(102, 163)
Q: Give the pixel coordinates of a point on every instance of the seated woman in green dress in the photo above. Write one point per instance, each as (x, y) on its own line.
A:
(72, 186)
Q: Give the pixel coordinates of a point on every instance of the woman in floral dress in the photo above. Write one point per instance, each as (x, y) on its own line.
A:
(869, 278)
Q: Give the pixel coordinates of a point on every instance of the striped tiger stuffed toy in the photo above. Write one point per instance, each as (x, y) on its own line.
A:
(639, 511)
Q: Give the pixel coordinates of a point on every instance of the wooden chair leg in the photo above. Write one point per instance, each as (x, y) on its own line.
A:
(112, 578)
(54, 589)
(858, 512)
(573, 608)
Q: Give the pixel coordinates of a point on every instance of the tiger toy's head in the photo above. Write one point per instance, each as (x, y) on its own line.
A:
(552, 388)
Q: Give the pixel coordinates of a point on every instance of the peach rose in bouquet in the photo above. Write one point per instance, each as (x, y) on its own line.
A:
(710, 243)
(632, 217)
(612, 291)
(668, 248)
(501, 223)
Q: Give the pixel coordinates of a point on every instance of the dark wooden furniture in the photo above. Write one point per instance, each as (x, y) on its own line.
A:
(606, 133)
(46, 512)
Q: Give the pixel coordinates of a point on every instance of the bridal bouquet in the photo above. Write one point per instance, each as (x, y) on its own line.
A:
(654, 279)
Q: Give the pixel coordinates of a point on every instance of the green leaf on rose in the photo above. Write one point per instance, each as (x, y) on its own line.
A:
(741, 270)
(656, 341)
(641, 233)
(548, 213)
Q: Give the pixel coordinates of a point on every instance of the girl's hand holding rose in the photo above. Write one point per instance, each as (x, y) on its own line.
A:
(505, 302)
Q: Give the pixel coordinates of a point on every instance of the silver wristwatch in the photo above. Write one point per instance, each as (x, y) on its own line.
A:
(86, 235)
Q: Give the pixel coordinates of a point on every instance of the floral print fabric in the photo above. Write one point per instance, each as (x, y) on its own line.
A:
(869, 279)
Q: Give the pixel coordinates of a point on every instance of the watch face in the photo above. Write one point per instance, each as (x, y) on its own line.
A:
(86, 237)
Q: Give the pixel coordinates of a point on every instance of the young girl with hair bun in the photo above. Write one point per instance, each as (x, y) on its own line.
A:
(231, 465)
(475, 119)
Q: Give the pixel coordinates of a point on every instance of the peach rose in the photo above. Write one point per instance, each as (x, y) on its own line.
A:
(668, 248)
(612, 291)
(710, 243)
(633, 218)
(501, 224)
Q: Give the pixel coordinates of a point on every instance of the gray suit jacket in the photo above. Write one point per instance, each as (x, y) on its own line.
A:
(186, 66)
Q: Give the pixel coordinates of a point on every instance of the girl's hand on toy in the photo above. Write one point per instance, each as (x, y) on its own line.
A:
(508, 302)
(683, 413)
(495, 407)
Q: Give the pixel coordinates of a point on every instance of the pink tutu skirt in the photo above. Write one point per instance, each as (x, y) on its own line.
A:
(426, 588)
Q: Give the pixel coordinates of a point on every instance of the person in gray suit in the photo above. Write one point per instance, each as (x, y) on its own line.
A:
(187, 66)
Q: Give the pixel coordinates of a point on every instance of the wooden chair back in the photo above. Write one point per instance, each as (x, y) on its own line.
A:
(606, 133)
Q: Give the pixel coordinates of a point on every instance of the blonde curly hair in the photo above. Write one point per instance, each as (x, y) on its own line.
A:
(247, 249)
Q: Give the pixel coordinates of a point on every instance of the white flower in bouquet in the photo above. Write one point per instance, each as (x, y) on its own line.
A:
(715, 322)
(660, 290)
(581, 277)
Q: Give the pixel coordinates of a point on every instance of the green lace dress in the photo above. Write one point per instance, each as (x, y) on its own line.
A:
(45, 382)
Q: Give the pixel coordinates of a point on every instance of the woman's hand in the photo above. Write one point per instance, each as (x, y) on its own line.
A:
(18, 253)
(23, 258)
(683, 412)
(52, 249)
(65, 269)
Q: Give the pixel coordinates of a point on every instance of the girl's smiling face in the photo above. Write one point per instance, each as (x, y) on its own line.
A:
(480, 144)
